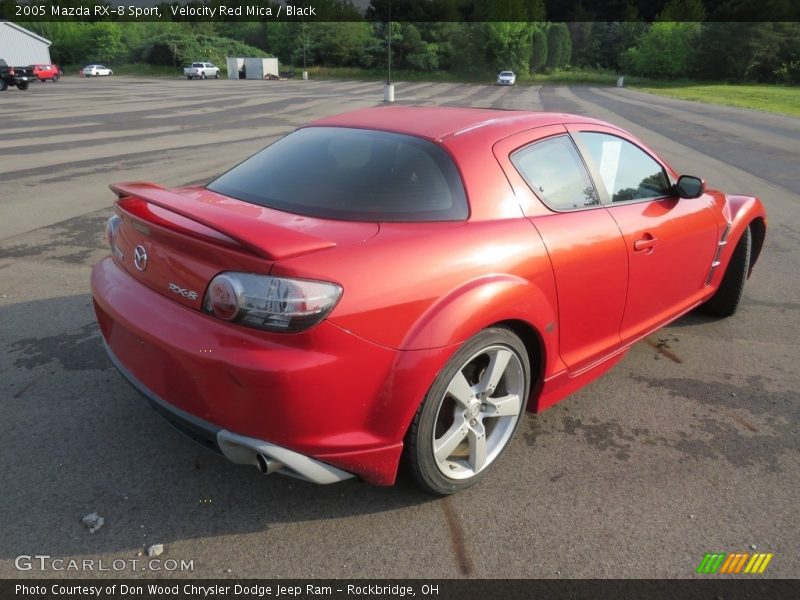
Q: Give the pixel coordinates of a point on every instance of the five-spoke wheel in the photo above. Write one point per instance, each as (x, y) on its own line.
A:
(470, 413)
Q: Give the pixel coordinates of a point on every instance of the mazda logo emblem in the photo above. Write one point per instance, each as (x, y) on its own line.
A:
(140, 258)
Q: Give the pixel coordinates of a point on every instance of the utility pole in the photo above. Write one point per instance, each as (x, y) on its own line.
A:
(388, 89)
(389, 47)
(305, 44)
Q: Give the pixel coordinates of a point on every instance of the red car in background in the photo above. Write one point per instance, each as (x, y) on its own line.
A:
(47, 72)
(404, 282)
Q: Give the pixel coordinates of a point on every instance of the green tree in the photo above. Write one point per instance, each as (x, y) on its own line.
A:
(341, 44)
(104, 42)
(616, 40)
(305, 44)
(539, 52)
(585, 37)
(181, 47)
(559, 46)
(666, 50)
(281, 39)
(726, 51)
(508, 46)
(440, 37)
(470, 55)
(248, 32)
(68, 38)
(775, 53)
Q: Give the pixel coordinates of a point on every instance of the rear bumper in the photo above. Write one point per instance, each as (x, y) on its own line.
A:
(325, 395)
(267, 457)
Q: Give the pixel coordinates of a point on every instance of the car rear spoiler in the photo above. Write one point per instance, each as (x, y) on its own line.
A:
(252, 231)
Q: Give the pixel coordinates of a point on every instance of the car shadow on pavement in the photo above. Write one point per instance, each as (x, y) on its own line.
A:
(79, 440)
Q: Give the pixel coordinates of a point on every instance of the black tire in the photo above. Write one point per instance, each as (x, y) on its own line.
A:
(203, 75)
(457, 466)
(22, 85)
(3, 85)
(56, 78)
(189, 77)
(725, 300)
(216, 75)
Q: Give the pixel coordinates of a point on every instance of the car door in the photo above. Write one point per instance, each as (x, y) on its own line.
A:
(670, 241)
(586, 250)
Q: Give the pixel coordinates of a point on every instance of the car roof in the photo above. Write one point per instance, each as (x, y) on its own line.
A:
(437, 122)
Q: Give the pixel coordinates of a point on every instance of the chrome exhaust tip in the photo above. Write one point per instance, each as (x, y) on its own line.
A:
(267, 465)
(270, 458)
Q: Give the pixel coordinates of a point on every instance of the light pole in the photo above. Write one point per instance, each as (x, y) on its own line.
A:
(389, 47)
(388, 89)
(305, 43)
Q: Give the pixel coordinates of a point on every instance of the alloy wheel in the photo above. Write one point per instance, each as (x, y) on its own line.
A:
(478, 412)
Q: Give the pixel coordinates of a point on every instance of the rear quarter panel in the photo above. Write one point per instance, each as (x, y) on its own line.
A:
(430, 285)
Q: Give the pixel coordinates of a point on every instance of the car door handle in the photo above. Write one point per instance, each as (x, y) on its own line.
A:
(646, 243)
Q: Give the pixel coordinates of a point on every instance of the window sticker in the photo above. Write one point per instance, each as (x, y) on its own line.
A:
(609, 164)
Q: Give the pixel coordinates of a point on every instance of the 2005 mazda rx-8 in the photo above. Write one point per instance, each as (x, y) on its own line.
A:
(403, 282)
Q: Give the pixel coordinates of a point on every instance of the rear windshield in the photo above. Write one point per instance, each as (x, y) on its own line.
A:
(350, 174)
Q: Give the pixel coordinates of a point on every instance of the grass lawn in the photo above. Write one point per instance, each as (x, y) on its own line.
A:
(769, 98)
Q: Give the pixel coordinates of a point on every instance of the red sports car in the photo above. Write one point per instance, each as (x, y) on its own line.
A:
(404, 282)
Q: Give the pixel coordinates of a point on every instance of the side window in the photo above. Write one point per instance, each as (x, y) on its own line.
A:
(627, 171)
(554, 171)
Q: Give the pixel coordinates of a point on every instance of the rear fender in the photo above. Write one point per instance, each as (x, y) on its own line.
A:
(479, 303)
(452, 320)
(444, 327)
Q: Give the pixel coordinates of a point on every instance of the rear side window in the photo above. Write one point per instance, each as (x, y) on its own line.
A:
(554, 171)
(351, 174)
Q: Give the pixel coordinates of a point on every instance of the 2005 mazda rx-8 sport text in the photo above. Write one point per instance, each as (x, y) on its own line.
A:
(403, 282)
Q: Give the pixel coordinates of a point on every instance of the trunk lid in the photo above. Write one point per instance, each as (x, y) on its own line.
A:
(176, 241)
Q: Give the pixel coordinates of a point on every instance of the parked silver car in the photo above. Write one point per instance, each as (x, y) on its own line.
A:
(96, 71)
(506, 78)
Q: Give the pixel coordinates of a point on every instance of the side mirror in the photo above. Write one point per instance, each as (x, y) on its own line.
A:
(690, 187)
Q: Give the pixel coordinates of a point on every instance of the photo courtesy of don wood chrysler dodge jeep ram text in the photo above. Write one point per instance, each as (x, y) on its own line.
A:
(402, 283)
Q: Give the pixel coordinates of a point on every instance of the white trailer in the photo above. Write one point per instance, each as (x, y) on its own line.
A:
(251, 68)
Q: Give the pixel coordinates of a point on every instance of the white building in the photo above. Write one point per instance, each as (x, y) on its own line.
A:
(20, 47)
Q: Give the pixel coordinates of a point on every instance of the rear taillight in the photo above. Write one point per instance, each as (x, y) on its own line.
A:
(112, 229)
(270, 303)
(224, 297)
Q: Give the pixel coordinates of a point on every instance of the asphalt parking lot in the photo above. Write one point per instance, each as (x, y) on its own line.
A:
(689, 446)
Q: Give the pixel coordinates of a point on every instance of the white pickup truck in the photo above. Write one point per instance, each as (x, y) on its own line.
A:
(201, 70)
